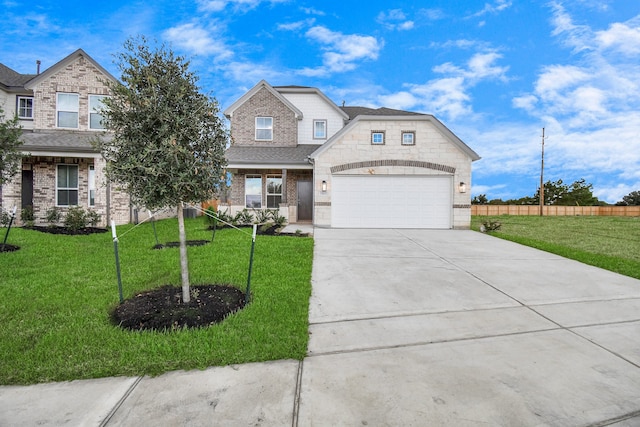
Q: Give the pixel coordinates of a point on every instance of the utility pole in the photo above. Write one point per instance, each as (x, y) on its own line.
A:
(542, 178)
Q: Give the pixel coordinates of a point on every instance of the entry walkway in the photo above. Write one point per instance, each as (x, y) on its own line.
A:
(407, 327)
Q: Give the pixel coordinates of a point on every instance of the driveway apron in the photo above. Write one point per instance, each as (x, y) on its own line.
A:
(444, 327)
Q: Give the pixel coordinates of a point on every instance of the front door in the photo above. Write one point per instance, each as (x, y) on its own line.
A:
(27, 189)
(305, 200)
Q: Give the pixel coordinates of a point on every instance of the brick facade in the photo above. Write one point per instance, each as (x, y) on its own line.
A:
(76, 74)
(81, 77)
(264, 104)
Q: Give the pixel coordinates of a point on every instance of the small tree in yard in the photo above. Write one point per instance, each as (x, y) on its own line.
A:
(10, 156)
(168, 139)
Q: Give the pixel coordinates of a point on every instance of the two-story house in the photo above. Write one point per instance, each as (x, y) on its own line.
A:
(294, 149)
(59, 111)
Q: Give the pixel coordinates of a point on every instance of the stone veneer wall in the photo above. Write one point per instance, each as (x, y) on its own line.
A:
(264, 104)
(430, 146)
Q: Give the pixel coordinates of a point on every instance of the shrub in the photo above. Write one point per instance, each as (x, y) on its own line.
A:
(76, 218)
(490, 225)
(53, 216)
(26, 215)
(278, 219)
(4, 217)
(211, 216)
(92, 217)
(243, 218)
(262, 215)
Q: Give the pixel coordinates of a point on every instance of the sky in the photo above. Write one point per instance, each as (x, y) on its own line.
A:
(495, 72)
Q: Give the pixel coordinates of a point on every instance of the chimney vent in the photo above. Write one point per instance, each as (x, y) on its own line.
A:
(38, 66)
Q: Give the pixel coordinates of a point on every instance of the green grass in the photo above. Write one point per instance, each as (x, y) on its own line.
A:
(56, 294)
(612, 243)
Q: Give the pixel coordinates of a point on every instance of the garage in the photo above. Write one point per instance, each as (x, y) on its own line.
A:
(388, 201)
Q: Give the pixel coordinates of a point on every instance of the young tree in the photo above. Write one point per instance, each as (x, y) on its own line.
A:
(168, 139)
(10, 156)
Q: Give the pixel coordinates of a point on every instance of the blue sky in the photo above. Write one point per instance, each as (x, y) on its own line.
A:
(495, 72)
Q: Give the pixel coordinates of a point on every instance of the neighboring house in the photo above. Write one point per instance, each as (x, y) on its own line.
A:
(294, 149)
(59, 112)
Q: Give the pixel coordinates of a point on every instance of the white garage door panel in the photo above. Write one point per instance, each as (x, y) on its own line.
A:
(391, 201)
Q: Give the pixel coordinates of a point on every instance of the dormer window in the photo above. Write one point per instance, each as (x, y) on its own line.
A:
(25, 107)
(67, 110)
(264, 128)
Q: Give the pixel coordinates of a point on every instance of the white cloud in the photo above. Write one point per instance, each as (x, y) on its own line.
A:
(449, 96)
(295, 26)
(395, 19)
(312, 11)
(431, 14)
(623, 38)
(494, 8)
(342, 51)
(400, 100)
(198, 40)
(220, 5)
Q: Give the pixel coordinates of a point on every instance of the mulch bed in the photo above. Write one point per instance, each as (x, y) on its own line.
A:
(5, 247)
(56, 229)
(162, 308)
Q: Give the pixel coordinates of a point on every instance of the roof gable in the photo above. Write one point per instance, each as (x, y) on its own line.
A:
(262, 84)
(312, 91)
(62, 64)
(399, 117)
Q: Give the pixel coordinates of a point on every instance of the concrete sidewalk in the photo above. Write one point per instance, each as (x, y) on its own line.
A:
(408, 327)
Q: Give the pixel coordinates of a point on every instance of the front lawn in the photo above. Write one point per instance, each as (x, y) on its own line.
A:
(612, 243)
(57, 291)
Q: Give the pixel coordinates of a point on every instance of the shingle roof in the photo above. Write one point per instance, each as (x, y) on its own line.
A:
(248, 155)
(353, 112)
(59, 141)
(10, 78)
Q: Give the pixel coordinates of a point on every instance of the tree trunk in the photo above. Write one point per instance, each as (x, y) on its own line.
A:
(184, 265)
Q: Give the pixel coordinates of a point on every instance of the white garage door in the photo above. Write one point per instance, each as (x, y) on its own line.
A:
(391, 201)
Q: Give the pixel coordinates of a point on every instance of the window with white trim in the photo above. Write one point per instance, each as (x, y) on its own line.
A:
(408, 138)
(274, 191)
(92, 185)
(264, 128)
(95, 111)
(67, 185)
(25, 107)
(377, 137)
(253, 191)
(67, 110)
(319, 129)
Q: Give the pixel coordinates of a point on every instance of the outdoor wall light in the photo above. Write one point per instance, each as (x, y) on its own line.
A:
(462, 187)
(324, 186)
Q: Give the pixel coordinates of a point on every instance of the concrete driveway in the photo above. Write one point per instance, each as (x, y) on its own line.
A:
(421, 327)
(408, 328)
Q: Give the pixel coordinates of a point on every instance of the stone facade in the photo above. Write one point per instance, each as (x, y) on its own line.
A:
(431, 154)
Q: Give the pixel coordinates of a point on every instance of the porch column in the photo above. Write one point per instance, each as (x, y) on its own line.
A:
(284, 187)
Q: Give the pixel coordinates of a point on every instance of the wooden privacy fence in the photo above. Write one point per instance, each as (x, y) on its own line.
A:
(492, 210)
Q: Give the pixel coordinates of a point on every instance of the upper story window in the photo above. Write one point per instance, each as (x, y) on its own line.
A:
(67, 110)
(25, 107)
(95, 107)
(408, 138)
(377, 137)
(319, 129)
(264, 128)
